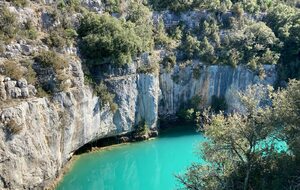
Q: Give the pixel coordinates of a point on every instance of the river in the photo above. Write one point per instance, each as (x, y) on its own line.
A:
(148, 165)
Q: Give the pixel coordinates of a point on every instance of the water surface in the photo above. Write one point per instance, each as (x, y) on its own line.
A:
(149, 165)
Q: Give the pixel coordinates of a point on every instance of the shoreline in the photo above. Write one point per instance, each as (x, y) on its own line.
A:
(70, 163)
(106, 144)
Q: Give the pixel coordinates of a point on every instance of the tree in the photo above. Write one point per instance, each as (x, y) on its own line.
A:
(241, 151)
(141, 16)
(257, 45)
(107, 40)
(207, 51)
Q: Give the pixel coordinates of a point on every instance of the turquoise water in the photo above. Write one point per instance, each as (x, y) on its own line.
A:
(149, 165)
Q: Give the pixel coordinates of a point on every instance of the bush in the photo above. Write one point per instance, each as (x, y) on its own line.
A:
(19, 3)
(107, 40)
(169, 62)
(59, 37)
(30, 74)
(142, 128)
(161, 38)
(13, 69)
(218, 104)
(187, 111)
(55, 40)
(105, 96)
(8, 24)
(113, 6)
(13, 127)
(141, 16)
(51, 59)
(41, 92)
(190, 47)
(148, 68)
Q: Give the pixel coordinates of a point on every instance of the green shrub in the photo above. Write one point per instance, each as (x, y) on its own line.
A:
(141, 16)
(169, 62)
(60, 37)
(218, 104)
(196, 73)
(190, 47)
(105, 96)
(161, 38)
(142, 128)
(8, 24)
(69, 5)
(30, 74)
(13, 127)
(12, 69)
(108, 40)
(19, 3)
(55, 40)
(113, 6)
(51, 59)
(188, 110)
(41, 92)
(30, 31)
(148, 68)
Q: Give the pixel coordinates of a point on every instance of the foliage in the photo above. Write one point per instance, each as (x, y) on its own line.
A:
(107, 40)
(141, 16)
(173, 5)
(218, 104)
(19, 3)
(152, 68)
(168, 62)
(241, 152)
(255, 45)
(12, 69)
(191, 47)
(105, 97)
(161, 38)
(8, 24)
(60, 37)
(142, 128)
(113, 6)
(187, 111)
(30, 75)
(51, 59)
(286, 113)
(285, 22)
(13, 127)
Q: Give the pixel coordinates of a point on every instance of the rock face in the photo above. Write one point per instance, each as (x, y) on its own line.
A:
(38, 136)
(15, 89)
(182, 84)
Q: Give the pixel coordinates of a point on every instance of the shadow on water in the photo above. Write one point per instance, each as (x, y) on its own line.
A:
(178, 131)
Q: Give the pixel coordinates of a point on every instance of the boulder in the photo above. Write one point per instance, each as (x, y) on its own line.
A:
(32, 90)
(14, 92)
(22, 83)
(25, 92)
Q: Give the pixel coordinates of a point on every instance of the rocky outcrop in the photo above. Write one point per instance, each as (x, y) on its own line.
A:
(15, 89)
(38, 135)
(182, 84)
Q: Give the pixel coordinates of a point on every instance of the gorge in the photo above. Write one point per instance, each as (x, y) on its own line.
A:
(75, 72)
(75, 118)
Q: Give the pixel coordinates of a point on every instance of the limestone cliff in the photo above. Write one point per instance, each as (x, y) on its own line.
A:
(182, 84)
(51, 130)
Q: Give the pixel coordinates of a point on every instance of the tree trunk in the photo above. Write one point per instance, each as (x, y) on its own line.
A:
(246, 182)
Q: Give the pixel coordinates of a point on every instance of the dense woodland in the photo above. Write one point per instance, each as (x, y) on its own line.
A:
(241, 152)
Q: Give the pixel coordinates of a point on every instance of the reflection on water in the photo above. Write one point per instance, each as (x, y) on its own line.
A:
(146, 165)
